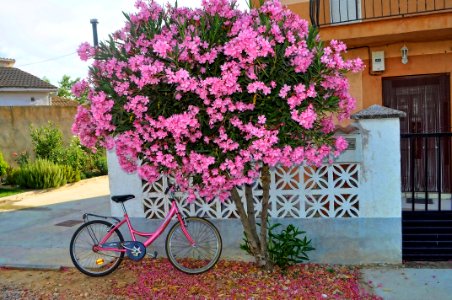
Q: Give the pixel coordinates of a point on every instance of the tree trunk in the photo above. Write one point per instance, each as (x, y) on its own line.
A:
(265, 179)
(257, 241)
(250, 235)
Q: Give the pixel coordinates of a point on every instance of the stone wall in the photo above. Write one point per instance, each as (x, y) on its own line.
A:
(15, 124)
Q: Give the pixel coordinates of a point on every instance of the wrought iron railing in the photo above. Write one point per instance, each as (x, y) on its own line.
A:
(330, 12)
(427, 171)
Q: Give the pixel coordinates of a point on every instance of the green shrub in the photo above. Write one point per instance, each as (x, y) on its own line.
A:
(70, 174)
(96, 163)
(101, 163)
(22, 158)
(48, 142)
(3, 165)
(76, 156)
(286, 247)
(40, 174)
(11, 175)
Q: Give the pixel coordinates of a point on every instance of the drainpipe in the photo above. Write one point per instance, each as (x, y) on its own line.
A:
(94, 23)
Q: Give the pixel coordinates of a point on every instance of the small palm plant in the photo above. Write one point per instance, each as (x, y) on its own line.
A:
(286, 247)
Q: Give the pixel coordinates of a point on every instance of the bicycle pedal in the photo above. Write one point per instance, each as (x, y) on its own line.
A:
(153, 255)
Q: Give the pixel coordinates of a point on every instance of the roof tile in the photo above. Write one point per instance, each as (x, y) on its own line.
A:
(16, 78)
(60, 101)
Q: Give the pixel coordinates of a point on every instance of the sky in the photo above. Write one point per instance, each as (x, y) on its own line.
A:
(43, 35)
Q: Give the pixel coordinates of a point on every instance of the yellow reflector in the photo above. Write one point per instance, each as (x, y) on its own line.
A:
(100, 261)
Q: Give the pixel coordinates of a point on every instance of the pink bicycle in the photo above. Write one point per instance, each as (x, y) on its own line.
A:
(193, 245)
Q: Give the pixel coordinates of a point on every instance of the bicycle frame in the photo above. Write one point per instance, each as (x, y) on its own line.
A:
(152, 236)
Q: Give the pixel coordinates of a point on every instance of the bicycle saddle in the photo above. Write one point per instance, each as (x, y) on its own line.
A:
(122, 198)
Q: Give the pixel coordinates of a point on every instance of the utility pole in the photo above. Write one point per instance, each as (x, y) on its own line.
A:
(94, 23)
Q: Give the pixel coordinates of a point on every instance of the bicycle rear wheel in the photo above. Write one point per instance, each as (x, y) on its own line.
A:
(85, 258)
(197, 258)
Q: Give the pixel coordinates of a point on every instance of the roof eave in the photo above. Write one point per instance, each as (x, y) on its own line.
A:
(21, 89)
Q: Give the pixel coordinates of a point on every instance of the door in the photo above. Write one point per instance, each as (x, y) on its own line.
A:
(426, 101)
(345, 10)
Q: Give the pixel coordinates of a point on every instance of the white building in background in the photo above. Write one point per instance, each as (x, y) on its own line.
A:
(19, 88)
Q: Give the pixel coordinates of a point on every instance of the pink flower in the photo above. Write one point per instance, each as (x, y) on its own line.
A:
(341, 143)
(258, 86)
(85, 51)
(307, 118)
(161, 47)
(328, 125)
(137, 105)
(283, 92)
(148, 173)
(79, 88)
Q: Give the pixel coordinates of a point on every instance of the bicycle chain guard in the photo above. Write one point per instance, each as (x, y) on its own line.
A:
(135, 250)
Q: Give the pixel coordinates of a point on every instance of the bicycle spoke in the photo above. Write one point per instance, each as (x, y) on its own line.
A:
(201, 256)
(183, 253)
(88, 261)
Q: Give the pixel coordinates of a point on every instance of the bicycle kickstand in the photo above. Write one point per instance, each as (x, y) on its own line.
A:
(152, 255)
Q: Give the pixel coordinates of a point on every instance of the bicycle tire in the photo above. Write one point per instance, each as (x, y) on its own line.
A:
(194, 259)
(90, 262)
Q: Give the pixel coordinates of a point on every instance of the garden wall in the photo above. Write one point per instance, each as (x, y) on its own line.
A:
(351, 209)
(15, 124)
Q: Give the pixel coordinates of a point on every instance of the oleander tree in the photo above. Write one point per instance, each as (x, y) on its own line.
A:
(214, 97)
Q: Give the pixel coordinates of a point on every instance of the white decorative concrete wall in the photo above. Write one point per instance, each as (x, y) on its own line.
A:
(381, 184)
(381, 189)
(329, 191)
(122, 183)
(351, 209)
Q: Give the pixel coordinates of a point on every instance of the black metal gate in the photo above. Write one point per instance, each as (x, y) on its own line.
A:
(427, 206)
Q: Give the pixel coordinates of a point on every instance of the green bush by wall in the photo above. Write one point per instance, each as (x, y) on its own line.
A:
(40, 174)
(3, 165)
(48, 144)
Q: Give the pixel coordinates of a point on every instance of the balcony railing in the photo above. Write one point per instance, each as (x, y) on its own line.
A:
(330, 12)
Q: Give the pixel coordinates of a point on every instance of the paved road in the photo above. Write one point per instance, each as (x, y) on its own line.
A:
(36, 227)
(424, 283)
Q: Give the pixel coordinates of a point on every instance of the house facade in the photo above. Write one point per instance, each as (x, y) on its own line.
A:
(19, 88)
(407, 49)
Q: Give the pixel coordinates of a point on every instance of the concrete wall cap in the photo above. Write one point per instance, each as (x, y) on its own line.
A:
(378, 112)
(349, 129)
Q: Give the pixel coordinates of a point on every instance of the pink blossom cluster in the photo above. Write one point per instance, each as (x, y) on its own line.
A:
(85, 51)
(191, 93)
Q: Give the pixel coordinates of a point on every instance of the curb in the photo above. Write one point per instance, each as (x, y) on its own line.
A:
(32, 267)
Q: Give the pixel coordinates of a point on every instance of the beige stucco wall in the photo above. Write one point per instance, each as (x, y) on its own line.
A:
(15, 124)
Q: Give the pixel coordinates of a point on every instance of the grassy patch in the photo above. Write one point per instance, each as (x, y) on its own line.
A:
(4, 192)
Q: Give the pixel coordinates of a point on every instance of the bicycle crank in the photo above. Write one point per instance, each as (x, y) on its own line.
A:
(135, 250)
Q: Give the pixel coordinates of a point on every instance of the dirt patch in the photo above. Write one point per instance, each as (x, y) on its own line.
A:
(62, 284)
(11, 205)
(157, 279)
(428, 264)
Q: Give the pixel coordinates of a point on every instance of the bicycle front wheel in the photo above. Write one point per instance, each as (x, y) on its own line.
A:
(198, 257)
(86, 258)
